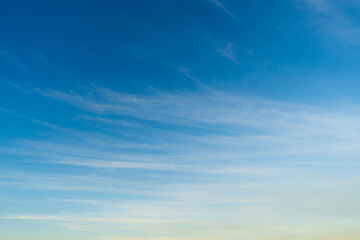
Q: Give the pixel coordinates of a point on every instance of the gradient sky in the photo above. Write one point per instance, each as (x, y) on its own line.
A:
(180, 120)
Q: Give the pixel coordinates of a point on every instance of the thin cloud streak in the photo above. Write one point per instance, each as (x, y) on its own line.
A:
(222, 7)
(186, 73)
(228, 52)
(331, 19)
(108, 220)
(220, 140)
(160, 167)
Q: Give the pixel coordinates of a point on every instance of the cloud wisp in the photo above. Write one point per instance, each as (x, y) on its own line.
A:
(222, 7)
(189, 155)
(330, 17)
(228, 52)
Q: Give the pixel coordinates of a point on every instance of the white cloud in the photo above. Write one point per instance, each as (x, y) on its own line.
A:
(186, 73)
(331, 19)
(105, 219)
(228, 52)
(219, 154)
(222, 7)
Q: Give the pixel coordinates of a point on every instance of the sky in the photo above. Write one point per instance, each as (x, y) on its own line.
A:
(179, 120)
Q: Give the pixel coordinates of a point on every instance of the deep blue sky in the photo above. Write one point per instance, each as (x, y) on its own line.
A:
(284, 49)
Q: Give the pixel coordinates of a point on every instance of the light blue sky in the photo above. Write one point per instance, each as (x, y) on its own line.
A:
(179, 120)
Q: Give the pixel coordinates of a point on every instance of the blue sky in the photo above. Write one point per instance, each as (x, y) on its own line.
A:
(179, 120)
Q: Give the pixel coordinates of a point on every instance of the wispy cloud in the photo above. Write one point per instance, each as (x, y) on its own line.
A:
(154, 238)
(124, 162)
(111, 121)
(15, 62)
(330, 17)
(91, 219)
(158, 167)
(228, 52)
(180, 155)
(213, 110)
(186, 73)
(222, 7)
